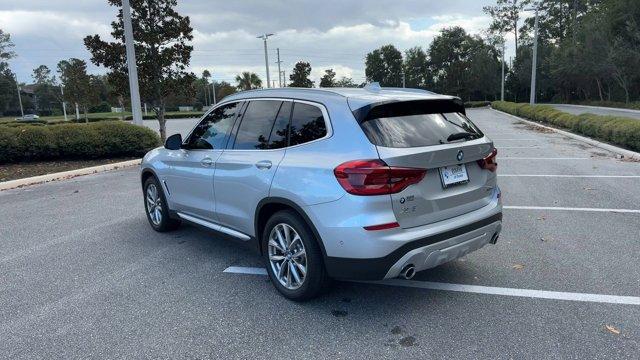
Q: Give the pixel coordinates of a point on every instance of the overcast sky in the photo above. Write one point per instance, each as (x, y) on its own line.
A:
(329, 33)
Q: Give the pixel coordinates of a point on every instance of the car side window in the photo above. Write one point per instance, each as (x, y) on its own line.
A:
(213, 131)
(279, 133)
(256, 125)
(307, 124)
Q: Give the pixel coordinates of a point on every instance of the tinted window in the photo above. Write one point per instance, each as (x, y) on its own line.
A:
(256, 125)
(278, 138)
(419, 130)
(307, 124)
(212, 132)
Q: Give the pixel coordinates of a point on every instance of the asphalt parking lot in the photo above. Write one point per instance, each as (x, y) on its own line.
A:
(82, 275)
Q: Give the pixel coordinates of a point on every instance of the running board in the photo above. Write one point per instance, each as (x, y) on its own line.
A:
(213, 226)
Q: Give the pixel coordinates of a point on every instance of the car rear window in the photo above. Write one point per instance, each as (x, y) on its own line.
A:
(403, 126)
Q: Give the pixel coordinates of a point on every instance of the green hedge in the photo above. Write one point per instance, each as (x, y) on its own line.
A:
(613, 129)
(474, 104)
(75, 141)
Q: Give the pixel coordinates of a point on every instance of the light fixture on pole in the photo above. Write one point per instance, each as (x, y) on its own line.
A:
(534, 60)
(136, 109)
(266, 56)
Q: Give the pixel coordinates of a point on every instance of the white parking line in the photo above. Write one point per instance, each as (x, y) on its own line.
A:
(519, 147)
(246, 270)
(572, 176)
(557, 208)
(541, 158)
(489, 290)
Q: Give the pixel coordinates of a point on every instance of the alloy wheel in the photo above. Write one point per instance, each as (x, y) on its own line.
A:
(287, 256)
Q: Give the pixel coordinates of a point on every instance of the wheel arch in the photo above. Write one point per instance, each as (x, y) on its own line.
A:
(268, 206)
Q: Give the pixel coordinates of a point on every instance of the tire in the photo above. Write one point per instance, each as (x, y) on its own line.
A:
(316, 280)
(158, 217)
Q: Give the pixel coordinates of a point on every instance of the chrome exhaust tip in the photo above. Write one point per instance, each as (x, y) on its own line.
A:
(408, 272)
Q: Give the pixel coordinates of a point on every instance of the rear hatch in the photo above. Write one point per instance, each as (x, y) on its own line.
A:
(436, 135)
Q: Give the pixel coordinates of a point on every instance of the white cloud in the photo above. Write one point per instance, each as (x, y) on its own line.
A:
(336, 35)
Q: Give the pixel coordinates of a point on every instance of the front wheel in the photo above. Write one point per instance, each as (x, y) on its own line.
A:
(156, 207)
(293, 257)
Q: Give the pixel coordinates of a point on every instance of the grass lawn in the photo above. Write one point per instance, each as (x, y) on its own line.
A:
(28, 169)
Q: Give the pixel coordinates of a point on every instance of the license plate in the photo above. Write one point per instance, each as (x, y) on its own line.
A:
(453, 175)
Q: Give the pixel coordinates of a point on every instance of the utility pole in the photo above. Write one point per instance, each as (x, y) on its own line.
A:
(403, 80)
(77, 112)
(502, 86)
(266, 56)
(284, 78)
(145, 109)
(64, 104)
(131, 64)
(19, 97)
(532, 97)
(213, 87)
(279, 72)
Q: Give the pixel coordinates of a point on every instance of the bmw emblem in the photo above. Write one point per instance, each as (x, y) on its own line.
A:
(460, 155)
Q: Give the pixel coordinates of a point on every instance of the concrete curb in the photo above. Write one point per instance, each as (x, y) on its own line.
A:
(66, 174)
(614, 149)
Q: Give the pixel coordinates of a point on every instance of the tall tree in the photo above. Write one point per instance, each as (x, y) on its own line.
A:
(506, 14)
(384, 65)
(5, 47)
(47, 95)
(8, 95)
(205, 77)
(300, 75)
(162, 51)
(328, 79)
(248, 81)
(77, 84)
(416, 69)
(346, 82)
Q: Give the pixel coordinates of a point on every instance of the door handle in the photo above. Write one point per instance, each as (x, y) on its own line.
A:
(206, 162)
(263, 165)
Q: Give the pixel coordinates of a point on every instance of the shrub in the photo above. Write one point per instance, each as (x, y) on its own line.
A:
(613, 129)
(474, 104)
(75, 141)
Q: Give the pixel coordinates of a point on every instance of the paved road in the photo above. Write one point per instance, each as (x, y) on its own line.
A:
(174, 126)
(579, 109)
(82, 275)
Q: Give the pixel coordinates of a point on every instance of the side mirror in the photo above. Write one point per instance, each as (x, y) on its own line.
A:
(173, 142)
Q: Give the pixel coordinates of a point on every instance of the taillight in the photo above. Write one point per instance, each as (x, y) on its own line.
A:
(489, 162)
(375, 177)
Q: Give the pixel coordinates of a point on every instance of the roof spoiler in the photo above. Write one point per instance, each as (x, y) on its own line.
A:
(395, 108)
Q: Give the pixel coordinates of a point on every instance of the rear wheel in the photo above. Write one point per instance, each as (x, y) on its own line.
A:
(293, 257)
(156, 207)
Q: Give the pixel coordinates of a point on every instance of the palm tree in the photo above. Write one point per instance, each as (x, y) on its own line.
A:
(248, 80)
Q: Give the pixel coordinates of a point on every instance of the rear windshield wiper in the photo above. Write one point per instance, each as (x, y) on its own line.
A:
(462, 135)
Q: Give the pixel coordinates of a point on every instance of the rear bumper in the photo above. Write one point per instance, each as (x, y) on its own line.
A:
(423, 253)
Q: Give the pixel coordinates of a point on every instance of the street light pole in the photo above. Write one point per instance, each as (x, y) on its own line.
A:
(266, 56)
(19, 97)
(532, 97)
(279, 72)
(131, 63)
(502, 85)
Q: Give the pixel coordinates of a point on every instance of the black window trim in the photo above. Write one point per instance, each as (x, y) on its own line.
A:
(185, 140)
(323, 109)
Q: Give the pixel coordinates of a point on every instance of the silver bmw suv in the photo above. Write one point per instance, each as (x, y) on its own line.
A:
(359, 184)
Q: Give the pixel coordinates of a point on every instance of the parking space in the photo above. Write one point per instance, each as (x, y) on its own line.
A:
(87, 275)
